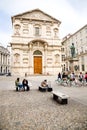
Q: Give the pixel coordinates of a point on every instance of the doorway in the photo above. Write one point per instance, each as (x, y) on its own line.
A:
(37, 64)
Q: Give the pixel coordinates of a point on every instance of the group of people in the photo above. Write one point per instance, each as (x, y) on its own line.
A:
(64, 76)
(71, 76)
(22, 86)
(82, 77)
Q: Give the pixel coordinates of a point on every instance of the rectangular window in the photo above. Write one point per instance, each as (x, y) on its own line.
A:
(63, 57)
(62, 49)
(83, 68)
(37, 31)
(82, 58)
(86, 30)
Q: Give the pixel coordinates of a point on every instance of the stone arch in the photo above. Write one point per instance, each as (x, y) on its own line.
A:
(38, 40)
(37, 52)
(37, 43)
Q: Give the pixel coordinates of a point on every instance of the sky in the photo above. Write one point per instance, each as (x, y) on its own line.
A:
(71, 13)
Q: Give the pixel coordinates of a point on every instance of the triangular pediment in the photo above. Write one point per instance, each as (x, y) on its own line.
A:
(36, 15)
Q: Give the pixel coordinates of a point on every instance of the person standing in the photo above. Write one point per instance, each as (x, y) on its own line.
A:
(72, 76)
(81, 77)
(59, 76)
(86, 77)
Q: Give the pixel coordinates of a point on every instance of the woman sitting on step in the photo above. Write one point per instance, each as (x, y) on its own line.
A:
(18, 85)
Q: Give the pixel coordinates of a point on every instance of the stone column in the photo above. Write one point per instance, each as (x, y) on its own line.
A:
(45, 58)
(0, 58)
(6, 60)
(30, 57)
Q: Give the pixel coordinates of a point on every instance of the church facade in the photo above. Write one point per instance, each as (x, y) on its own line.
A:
(35, 45)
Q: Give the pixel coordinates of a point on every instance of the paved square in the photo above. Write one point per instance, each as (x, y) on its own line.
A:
(35, 110)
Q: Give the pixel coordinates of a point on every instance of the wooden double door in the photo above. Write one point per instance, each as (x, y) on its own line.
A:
(37, 64)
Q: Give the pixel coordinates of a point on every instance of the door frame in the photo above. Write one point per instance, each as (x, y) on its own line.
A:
(37, 53)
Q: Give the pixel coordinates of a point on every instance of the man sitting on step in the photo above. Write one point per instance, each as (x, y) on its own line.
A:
(44, 83)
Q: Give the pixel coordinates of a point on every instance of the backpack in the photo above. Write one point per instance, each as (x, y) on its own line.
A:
(86, 76)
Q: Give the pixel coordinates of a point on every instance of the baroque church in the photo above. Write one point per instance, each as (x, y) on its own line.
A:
(35, 44)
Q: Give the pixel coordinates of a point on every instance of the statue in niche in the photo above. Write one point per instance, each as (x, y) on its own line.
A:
(56, 58)
(17, 58)
(17, 29)
(55, 32)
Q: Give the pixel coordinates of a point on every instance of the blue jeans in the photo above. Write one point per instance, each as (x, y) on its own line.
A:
(20, 85)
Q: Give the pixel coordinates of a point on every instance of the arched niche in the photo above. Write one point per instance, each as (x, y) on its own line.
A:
(37, 52)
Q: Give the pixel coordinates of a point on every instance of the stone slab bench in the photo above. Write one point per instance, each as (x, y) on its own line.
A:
(60, 97)
(49, 89)
(44, 89)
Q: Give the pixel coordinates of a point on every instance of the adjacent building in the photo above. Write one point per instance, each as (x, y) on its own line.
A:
(35, 45)
(4, 60)
(79, 38)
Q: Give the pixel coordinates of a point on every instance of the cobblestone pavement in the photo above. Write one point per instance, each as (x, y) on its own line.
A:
(35, 110)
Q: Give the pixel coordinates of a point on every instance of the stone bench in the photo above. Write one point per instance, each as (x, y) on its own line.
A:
(49, 89)
(60, 97)
(44, 89)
